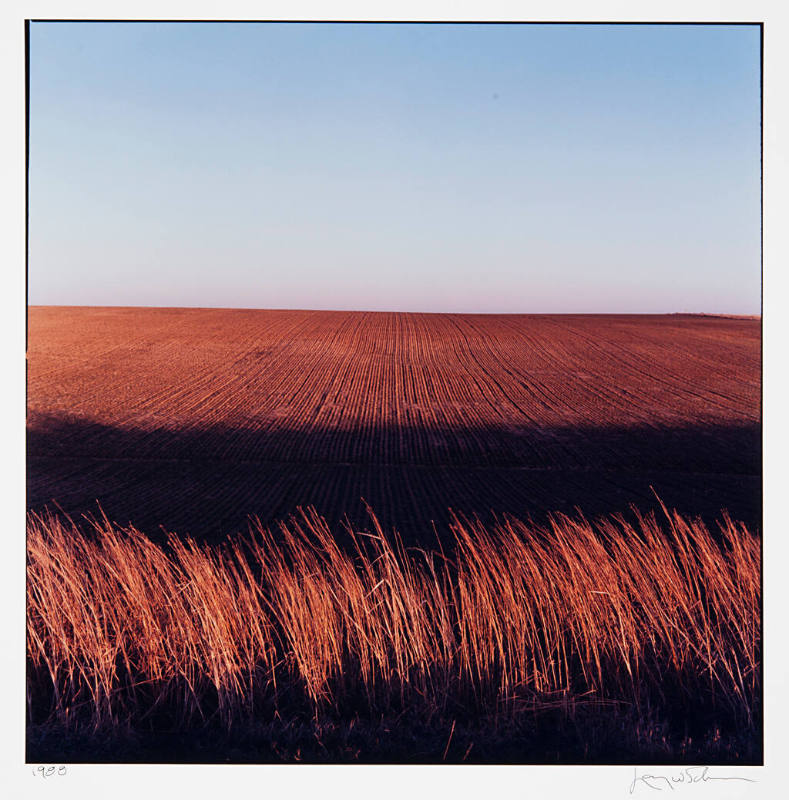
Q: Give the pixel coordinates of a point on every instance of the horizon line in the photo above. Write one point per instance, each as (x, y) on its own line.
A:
(400, 311)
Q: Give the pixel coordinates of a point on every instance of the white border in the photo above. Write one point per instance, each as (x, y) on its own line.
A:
(121, 781)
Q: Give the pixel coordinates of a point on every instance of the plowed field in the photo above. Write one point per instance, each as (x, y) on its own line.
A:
(194, 419)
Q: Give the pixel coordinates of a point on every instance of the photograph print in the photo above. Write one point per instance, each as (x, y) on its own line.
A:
(394, 393)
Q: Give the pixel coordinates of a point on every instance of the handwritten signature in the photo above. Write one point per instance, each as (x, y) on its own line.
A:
(684, 777)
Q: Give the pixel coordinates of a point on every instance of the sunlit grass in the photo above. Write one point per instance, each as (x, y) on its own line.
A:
(513, 618)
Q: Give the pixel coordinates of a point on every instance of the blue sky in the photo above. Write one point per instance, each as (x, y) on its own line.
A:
(510, 168)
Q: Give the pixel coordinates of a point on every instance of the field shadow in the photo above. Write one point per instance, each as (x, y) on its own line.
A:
(206, 481)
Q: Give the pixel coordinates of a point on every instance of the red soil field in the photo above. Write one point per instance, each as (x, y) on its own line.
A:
(193, 419)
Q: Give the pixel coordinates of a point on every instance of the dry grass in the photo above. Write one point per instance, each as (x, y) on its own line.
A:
(516, 618)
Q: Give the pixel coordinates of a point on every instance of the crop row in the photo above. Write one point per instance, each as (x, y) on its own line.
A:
(459, 378)
(260, 411)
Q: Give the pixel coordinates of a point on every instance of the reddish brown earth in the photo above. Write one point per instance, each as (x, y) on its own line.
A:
(194, 419)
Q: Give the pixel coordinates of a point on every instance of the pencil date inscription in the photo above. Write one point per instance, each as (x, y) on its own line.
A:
(45, 772)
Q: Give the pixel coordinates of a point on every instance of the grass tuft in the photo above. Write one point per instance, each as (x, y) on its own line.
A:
(516, 620)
